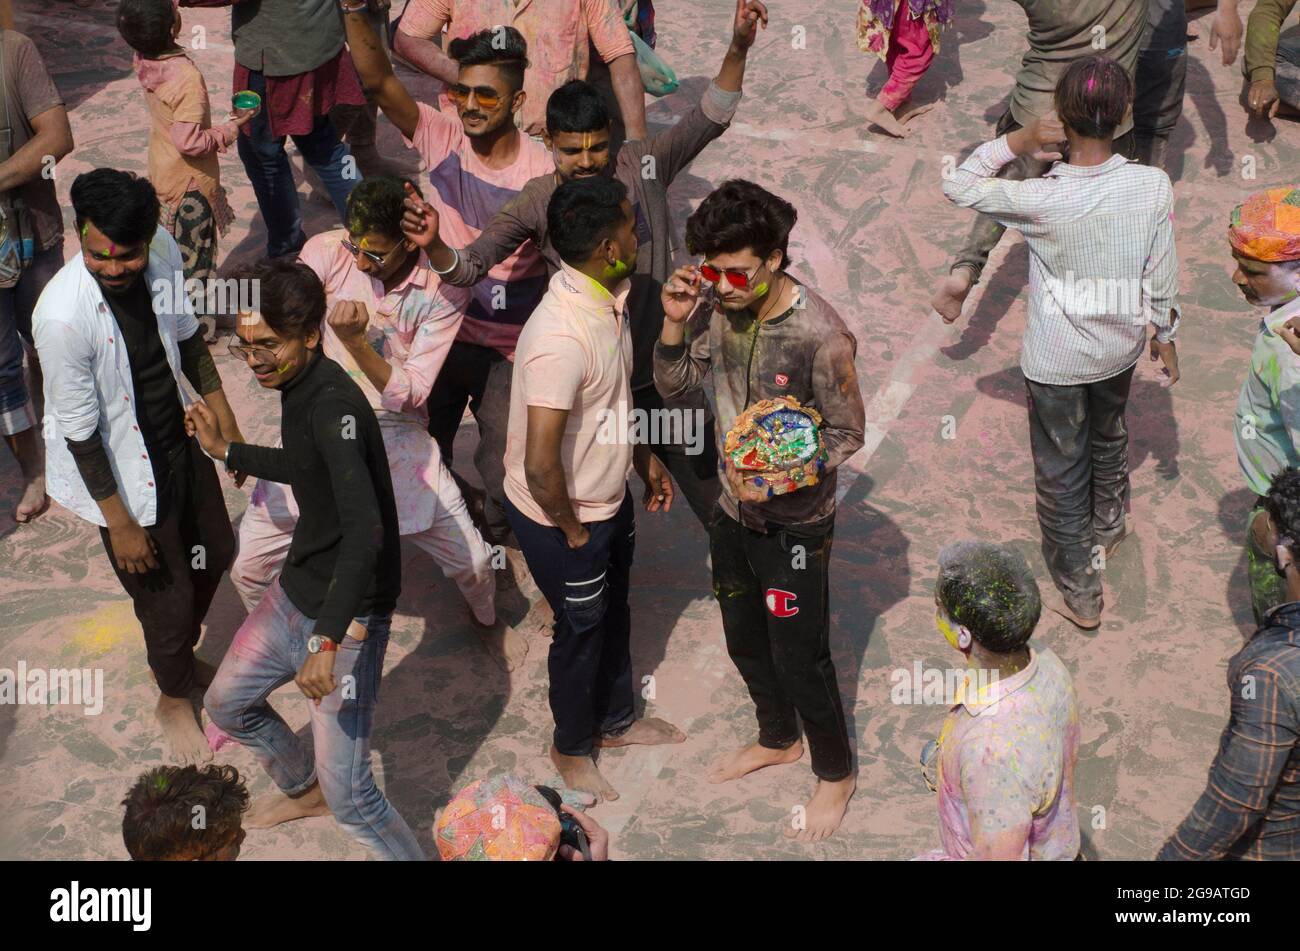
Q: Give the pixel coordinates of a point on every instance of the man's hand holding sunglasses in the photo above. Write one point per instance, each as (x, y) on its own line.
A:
(681, 294)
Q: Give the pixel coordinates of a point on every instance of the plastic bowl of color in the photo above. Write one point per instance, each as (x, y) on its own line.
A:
(247, 100)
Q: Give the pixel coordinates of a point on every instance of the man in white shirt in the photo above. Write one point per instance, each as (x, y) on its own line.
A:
(123, 359)
(1102, 266)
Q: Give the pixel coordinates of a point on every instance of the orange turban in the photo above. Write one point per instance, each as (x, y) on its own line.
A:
(1266, 226)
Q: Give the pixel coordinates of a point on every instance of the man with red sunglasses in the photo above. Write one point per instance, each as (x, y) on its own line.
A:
(758, 334)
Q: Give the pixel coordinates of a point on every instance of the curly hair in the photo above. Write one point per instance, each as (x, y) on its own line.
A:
(165, 805)
(990, 590)
(737, 215)
(1283, 506)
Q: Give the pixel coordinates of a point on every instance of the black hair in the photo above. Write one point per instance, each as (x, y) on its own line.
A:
(122, 205)
(163, 805)
(501, 46)
(989, 590)
(146, 25)
(582, 213)
(576, 107)
(1093, 95)
(291, 297)
(1283, 506)
(375, 205)
(739, 215)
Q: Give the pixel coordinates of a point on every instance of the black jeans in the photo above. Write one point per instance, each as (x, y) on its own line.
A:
(480, 377)
(1079, 439)
(590, 663)
(695, 475)
(1158, 103)
(773, 590)
(194, 545)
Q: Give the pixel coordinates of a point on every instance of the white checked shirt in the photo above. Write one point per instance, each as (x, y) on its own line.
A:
(88, 383)
(1102, 258)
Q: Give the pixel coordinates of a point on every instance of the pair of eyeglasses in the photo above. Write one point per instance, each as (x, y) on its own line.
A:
(378, 259)
(260, 354)
(488, 98)
(737, 279)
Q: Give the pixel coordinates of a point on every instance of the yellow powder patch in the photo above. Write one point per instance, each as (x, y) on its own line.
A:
(105, 629)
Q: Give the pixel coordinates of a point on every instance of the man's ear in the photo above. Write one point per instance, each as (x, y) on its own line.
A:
(775, 260)
(312, 340)
(546, 140)
(520, 98)
(964, 637)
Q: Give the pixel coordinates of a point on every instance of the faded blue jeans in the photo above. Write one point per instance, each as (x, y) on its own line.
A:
(267, 652)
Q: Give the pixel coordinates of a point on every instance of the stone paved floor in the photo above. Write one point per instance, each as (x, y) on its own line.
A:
(874, 236)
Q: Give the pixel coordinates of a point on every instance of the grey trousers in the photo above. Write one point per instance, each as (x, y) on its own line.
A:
(1079, 440)
(1287, 78)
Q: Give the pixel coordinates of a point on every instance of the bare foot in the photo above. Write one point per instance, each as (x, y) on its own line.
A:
(273, 809)
(1055, 602)
(539, 618)
(824, 812)
(879, 115)
(503, 643)
(580, 773)
(910, 112)
(952, 293)
(33, 503)
(749, 758)
(181, 730)
(650, 731)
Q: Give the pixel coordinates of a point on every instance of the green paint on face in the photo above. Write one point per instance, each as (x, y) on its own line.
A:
(617, 271)
(761, 289)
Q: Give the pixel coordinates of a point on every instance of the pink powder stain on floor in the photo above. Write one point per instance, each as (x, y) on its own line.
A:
(874, 237)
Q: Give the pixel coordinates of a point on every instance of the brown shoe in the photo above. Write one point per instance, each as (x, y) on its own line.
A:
(1055, 602)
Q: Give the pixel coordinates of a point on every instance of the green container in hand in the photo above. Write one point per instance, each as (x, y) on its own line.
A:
(247, 100)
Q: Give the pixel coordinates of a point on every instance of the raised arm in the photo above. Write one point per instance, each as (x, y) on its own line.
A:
(422, 22)
(519, 220)
(377, 76)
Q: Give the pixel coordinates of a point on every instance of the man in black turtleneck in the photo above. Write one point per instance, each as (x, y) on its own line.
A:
(324, 623)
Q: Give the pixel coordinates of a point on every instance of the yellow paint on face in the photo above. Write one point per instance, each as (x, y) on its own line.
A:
(286, 367)
(586, 141)
(947, 630)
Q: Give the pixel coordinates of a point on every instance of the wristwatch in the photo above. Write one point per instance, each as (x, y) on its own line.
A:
(317, 644)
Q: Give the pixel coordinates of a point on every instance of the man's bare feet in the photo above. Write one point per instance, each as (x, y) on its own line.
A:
(880, 116)
(503, 643)
(273, 809)
(580, 773)
(33, 503)
(824, 812)
(181, 730)
(952, 293)
(650, 731)
(1056, 602)
(749, 758)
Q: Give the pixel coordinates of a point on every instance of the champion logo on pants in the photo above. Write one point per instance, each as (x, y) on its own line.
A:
(781, 603)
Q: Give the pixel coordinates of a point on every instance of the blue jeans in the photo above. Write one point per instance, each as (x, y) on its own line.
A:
(267, 652)
(16, 305)
(1287, 78)
(268, 169)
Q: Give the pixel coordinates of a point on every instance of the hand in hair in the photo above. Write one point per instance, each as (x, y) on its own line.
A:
(1037, 138)
(1263, 98)
(419, 219)
(749, 13)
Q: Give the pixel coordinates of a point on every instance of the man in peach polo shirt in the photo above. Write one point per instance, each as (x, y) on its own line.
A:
(560, 35)
(566, 476)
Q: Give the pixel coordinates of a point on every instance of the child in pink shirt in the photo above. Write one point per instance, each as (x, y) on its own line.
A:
(905, 34)
(183, 144)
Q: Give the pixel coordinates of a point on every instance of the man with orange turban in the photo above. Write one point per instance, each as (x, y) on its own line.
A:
(1264, 233)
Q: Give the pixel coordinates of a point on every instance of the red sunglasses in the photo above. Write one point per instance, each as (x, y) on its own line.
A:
(737, 279)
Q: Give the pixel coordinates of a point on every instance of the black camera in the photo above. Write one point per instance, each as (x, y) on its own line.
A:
(570, 832)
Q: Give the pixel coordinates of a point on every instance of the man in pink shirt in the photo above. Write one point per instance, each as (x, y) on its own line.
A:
(567, 462)
(390, 325)
(476, 163)
(560, 35)
(1006, 754)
